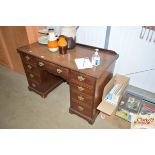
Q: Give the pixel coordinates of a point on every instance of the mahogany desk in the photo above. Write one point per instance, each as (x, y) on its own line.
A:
(46, 70)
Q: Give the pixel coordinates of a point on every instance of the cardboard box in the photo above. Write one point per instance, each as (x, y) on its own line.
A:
(107, 107)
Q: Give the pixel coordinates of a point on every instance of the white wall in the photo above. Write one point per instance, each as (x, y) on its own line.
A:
(91, 35)
(135, 55)
(88, 35)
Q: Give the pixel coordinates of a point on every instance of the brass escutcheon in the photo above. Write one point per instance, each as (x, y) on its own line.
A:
(41, 64)
(31, 76)
(59, 71)
(81, 78)
(27, 57)
(29, 66)
(80, 88)
(80, 108)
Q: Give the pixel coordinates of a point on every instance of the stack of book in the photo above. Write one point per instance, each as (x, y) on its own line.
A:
(148, 107)
(133, 104)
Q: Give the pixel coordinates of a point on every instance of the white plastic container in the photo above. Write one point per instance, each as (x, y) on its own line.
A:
(96, 58)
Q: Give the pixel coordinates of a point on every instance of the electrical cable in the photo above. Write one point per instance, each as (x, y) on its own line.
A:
(141, 71)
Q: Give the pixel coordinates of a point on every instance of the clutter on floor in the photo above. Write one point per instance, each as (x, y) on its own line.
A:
(138, 110)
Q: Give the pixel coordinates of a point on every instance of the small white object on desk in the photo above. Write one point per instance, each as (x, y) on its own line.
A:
(83, 63)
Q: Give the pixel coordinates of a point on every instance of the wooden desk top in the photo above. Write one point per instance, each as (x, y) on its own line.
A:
(67, 60)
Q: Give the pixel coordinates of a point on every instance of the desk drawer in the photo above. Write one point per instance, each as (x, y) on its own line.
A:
(33, 77)
(29, 59)
(83, 79)
(59, 71)
(54, 69)
(81, 99)
(34, 84)
(31, 69)
(81, 89)
(81, 109)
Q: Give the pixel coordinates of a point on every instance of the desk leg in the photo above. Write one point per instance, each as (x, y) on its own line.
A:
(70, 111)
(88, 119)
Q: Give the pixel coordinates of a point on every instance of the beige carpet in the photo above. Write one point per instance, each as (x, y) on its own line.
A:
(20, 108)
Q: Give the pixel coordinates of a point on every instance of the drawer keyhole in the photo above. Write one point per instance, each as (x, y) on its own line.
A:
(80, 98)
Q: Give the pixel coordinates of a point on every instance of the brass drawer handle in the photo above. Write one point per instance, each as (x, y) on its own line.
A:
(59, 71)
(29, 66)
(27, 57)
(33, 85)
(81, 78)
(41, 64)
(80, 88)
(31, 76)
(80, 108)
(80, 98)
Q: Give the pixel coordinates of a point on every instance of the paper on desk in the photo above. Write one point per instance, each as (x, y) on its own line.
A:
(83, 63)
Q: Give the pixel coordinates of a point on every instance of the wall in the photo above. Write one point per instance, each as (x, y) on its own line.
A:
(32, 33)
(88, 35)
(12, 37)
(4, 59)
(135, 55)
(91, 35)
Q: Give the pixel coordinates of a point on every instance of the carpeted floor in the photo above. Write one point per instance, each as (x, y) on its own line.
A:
(22, 109)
